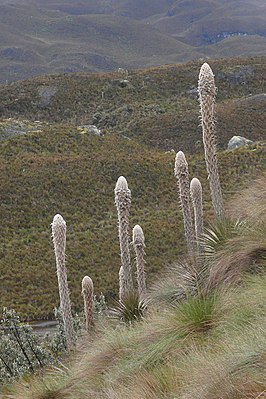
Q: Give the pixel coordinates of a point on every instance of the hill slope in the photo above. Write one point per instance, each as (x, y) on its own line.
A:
(156, 106)
(60, 170)
(40, 41)
(49, 168)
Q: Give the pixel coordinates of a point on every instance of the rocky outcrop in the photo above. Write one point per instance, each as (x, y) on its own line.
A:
(238, 141)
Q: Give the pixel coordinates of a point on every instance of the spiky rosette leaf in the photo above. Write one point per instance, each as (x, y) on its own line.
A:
(87, 292)
(139, 247)
(123, 202)
(182, 175)
(59, 241)
(129, 310)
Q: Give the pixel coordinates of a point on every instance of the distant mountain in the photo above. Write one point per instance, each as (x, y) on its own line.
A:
(42, 37)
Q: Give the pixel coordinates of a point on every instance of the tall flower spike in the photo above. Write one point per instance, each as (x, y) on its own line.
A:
(123, 202)
(207, 93)
(181, 173)
(59, 240)
(87, 292)
(139, 247)
(122, 285)
(196, 196)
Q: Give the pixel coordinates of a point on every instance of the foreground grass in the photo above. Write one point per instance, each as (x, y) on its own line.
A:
(202, 348)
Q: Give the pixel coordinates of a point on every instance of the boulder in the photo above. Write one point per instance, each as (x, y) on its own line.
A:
(121, 82)
(90, 129)
(238, 141)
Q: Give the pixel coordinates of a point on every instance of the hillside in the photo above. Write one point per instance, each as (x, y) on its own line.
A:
(40, 37)
(155, 106)
(211, 21)
(62, 170)
(59, 169)
(202, 335)
(49, 168)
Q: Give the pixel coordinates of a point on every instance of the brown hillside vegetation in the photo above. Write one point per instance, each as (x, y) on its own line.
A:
(37, 41)
(157, 106)
(62, 170)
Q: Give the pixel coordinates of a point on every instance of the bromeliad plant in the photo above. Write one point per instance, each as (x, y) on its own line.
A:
(196, 197)
(87, 292)
(182, 175)
(139, 247)
(207, 94)
(123, 202)
(130, 306)
(59, 240)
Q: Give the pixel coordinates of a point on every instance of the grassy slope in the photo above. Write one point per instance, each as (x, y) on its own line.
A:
(137, 10)
(159, 106)
(200, 22)
(62, 171)
(211, 345)
(56, 168)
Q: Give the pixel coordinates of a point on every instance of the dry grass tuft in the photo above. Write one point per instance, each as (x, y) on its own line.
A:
(250, 202)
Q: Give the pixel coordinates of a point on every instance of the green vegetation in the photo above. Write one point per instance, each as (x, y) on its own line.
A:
(22, 352)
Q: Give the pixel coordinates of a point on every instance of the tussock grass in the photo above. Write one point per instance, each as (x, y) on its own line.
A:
(237, 247)
(238, 257)
(251, 202)
(215, 346)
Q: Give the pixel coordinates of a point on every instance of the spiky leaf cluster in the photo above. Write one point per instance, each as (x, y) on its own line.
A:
(129, 310)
